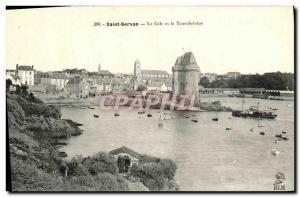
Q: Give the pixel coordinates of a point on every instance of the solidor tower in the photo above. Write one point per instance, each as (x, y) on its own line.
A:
(186, 76)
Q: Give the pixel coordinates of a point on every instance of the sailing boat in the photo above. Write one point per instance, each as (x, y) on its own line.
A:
(149, 114)
(243, 102)
(216, 118)
(229, 128)
(117, 113)
(160, 123)
(259, 124)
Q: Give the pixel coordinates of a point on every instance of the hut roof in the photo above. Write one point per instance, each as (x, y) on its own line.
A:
(23, 67)
(127, 150)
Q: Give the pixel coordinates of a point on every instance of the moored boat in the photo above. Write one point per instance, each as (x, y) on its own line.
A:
(254, 113)
(160, 123)
(116, 113)
(215, 118)
(141, 112)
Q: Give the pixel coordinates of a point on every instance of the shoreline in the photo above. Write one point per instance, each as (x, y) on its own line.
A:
(36, 133)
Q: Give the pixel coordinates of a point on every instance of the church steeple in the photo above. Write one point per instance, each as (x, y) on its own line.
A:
(99, 68)
(137, 68)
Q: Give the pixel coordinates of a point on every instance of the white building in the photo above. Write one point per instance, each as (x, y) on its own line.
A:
(14, 79)
(58, 80)
(77, 87)
(26, 74)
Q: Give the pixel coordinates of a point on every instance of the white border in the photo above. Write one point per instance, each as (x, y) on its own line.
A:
(3, 3)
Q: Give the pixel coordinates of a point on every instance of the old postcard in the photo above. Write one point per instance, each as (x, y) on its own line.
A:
(157, 98)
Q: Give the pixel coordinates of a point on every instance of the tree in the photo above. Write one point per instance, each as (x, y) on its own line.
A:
(8, 84)
(141, 88)
(204, 82)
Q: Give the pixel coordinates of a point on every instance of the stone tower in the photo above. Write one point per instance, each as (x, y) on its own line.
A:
(186, 76)
(137, 69)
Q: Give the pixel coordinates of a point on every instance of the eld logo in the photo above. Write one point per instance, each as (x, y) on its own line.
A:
(278, 184)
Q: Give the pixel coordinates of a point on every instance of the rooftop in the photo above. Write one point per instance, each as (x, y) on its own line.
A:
(104, 72)
(75, 80)
(154, 72)
(127, 150)
(23, 67)
(186, 59)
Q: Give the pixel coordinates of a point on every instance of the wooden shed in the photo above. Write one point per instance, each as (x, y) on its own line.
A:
(126, 158)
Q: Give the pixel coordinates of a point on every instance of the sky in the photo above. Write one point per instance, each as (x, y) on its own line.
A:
(230, 39)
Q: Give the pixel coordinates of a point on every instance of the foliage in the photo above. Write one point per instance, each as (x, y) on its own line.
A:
(32, 98)
(27, 177)
(168, 167)
(99, 182)
(204, 82)
(141, 88)
(40, 109)
(15, 113)
(147, 158)
(100, 163)
(270, 81)
(8, 84)
(155, 175)
(76, 168)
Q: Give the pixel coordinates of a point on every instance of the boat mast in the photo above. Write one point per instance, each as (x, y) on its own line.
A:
(243, 101)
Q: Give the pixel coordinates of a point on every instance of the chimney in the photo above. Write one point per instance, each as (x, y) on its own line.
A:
(17, 67)
(32, 67)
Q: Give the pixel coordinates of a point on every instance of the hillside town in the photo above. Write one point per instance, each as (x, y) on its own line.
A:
(80, 83)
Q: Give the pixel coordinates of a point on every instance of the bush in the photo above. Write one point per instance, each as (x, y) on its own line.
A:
(39, 109)
(80, 183)
(100, 182)
(76, 168)
(100, 163)
(147, 158)
(16, 115)
(169, 168)
(155, 175)
(27, 177)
